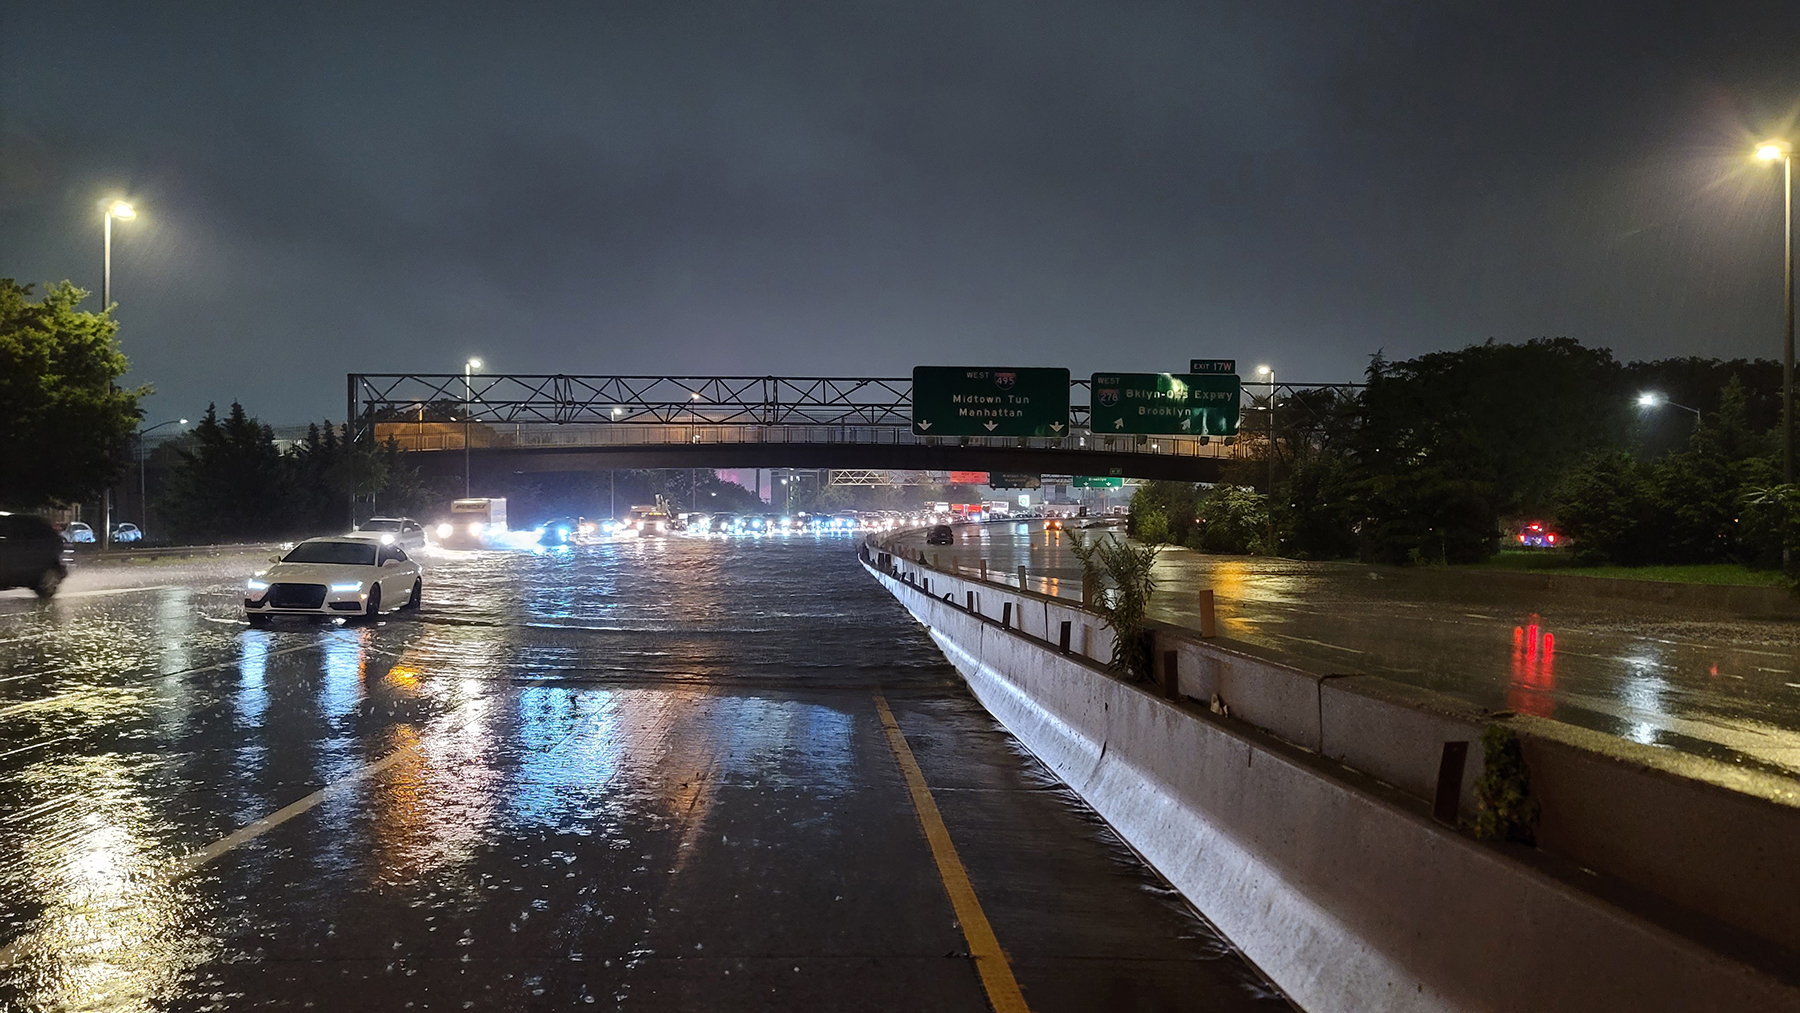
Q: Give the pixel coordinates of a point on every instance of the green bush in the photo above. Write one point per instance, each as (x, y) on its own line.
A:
(1231, 520)
(1505, 810)
(1125, 605)
(1170, 504)
(1152, 526)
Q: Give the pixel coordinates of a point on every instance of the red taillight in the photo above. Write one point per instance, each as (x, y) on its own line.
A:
(1551, 538)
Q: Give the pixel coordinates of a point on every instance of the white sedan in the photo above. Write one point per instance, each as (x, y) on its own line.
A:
(345, 576)
(402, 531)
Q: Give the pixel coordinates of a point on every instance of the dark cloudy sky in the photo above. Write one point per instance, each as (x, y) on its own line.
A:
(851, 188)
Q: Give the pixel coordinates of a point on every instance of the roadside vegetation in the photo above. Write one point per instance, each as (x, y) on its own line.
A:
(1444, 458)
(64, 419)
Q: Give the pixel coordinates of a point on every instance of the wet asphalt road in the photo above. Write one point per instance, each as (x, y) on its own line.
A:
(1684, 679)
(638, 776)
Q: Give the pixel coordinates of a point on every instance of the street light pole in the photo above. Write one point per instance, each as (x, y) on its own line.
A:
(124, 212)
(1783, 151)
(468, 410)
(1269, 371)
(121, 210)
(144, 466)
(1787, 304)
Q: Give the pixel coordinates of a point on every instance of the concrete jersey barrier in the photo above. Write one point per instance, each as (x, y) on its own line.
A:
(1335, 880)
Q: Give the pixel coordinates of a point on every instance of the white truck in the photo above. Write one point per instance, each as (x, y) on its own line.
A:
(471, 520)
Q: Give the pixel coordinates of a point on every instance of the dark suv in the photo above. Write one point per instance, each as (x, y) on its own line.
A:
(941, 535)
(31, 554)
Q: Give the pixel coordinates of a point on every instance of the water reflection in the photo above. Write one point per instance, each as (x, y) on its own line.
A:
(101, 939)
(1641, 692)
(1533, 676)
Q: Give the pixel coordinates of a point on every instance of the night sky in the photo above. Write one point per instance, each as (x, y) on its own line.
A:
(853, 188)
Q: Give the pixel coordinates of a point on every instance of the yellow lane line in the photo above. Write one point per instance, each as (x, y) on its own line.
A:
(996, 974)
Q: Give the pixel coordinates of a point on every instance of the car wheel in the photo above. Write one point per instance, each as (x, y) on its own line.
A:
(373, 609)
(418, 592)
(258, 620)
(48, 582)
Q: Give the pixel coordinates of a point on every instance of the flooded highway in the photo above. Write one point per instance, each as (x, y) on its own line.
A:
(1689, 680)
(664, 774)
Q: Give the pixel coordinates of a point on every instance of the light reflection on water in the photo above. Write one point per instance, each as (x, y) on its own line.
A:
(581, 692)
(1674, 677)
(1533, 681)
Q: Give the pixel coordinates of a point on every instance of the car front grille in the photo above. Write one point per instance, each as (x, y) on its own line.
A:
(296, 596)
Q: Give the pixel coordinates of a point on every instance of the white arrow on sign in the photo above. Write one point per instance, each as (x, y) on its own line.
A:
(990, 425)
(1118, 423)
(1187, 423)
(1056, 426)
(924, 425)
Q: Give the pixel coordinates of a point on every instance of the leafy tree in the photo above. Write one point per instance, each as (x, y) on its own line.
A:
(1232, 520)
(1609, 512)
(1448, 443)
(63, 418)
(1169, 506)
(1684, 507)
(1152, 526)
(232, 485)
(1319, 508)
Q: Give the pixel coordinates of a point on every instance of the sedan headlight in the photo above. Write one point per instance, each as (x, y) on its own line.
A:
(256, 585)
(477, 528)
(445, 530)
(354, 585)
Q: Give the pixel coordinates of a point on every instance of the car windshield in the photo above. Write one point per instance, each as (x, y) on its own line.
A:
(350, 553)
(381, 525)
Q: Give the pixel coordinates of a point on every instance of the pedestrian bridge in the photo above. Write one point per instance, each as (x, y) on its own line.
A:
(553, 422)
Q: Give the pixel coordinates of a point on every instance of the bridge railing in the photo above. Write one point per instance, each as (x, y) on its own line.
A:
(435, 436)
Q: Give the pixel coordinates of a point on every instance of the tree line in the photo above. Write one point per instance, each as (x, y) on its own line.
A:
(231, 480)
(1439, 458)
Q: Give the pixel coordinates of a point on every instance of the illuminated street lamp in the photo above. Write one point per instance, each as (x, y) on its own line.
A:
(1783, 152)
(469, 368)
(123, 212)
(1652, 399)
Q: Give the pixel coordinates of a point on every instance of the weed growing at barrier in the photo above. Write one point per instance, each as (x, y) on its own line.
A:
(1124, 606)
(1505, 810)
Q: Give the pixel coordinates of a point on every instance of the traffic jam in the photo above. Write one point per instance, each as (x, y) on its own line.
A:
(376, 569)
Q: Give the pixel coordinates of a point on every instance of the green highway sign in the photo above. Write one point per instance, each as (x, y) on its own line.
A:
(990, 401)
(1212, 366)
(1013, 480)
(1091, 482)
(1165, 404)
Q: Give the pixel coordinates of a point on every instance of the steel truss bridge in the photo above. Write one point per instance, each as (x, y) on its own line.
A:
(556, 422)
